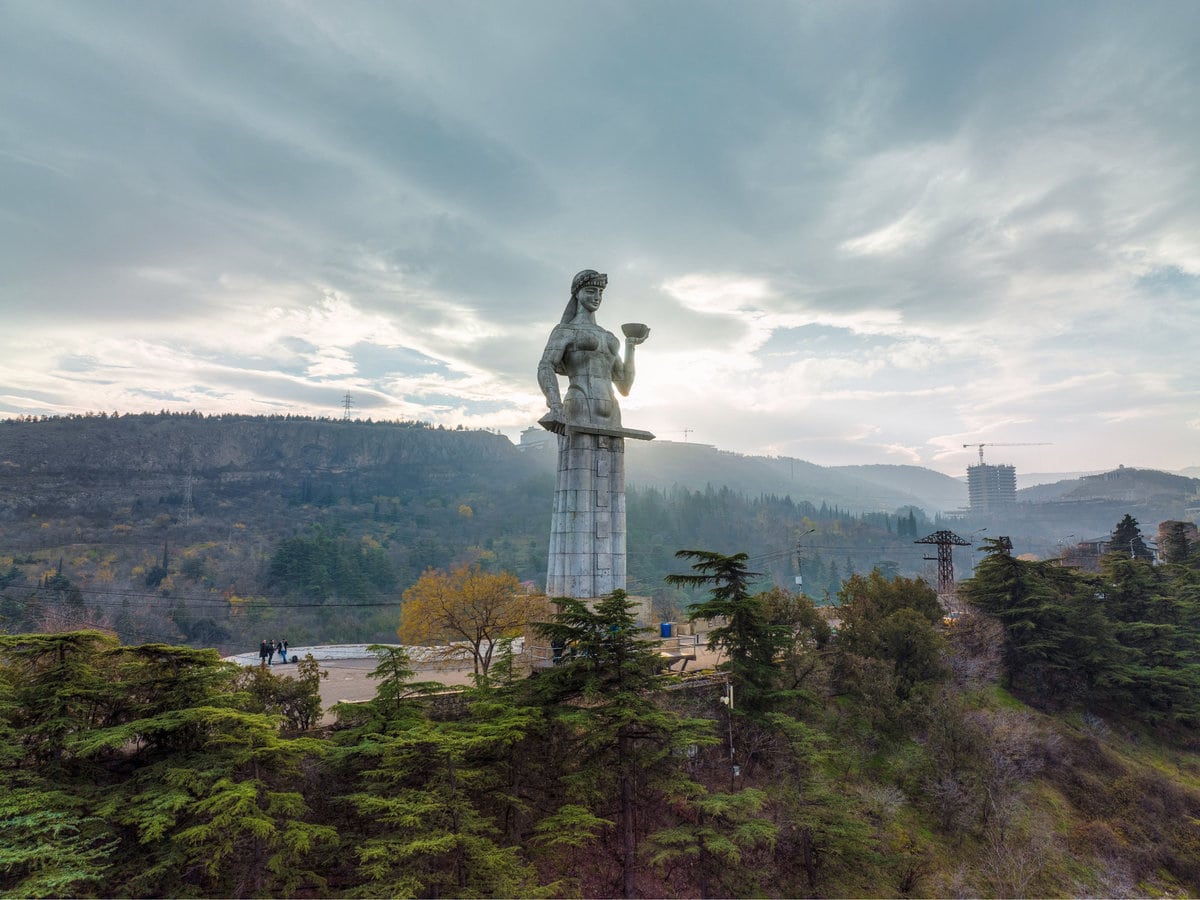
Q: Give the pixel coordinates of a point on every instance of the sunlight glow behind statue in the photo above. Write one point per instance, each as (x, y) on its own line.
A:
(587, 530)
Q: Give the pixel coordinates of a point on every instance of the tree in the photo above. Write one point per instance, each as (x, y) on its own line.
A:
(721, 828)
(624, 746)
(427, 786)
(295, 697)
(325, 565)
(48, 847)
(140, 774)
(888, 652)
(393, 700)
(747, 637)
(891, 620)
(1127, 538)
(57, 690)
(820, 832)
(1058, 641)
(1176, 542)
(465, 604)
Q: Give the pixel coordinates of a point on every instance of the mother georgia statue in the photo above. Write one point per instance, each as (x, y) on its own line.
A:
(587, 532)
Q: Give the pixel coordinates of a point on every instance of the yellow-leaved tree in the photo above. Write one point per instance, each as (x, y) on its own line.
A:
(464, 605)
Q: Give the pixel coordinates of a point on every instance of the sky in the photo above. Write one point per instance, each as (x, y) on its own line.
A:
(859, 232)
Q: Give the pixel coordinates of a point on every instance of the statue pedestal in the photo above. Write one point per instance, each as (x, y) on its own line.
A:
(587, 528)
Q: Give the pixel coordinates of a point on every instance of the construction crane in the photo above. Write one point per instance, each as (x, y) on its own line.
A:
(991, 444)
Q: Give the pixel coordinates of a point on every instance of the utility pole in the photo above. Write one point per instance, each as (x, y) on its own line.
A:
(800, 560)
(187, 497)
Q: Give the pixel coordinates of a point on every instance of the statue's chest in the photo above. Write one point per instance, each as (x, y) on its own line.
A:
(589, 346)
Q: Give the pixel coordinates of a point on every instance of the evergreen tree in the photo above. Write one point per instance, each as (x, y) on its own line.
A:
(1058, 642)
(623, 743)
(49, 846)
(1177, 541)
(1159, 631)
(715, 839)
(295, 695)
(427, 787)
(822, 838)
(1127, 538)
(750, 641)
(149, 746)
(428, 792)
(888, 651)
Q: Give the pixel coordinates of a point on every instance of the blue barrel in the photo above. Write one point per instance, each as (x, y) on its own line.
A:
(666, 629)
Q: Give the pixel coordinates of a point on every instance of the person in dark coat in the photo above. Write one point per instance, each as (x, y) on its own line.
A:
(262, 653)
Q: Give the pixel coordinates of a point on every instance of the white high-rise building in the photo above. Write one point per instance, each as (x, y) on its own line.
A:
(991, 486)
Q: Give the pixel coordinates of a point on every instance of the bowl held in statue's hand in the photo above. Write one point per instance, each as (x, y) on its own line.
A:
(635, 330)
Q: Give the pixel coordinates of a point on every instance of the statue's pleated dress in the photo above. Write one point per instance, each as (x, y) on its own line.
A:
(587, 529)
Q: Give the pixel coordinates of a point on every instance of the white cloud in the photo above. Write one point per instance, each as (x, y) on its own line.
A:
(850, 233)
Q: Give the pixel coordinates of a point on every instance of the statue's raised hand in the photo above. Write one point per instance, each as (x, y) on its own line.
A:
(635, 333)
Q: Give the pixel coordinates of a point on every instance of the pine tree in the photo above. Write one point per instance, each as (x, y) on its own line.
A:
(426, 789)
(428, 792)
(1127, 538)
(622, 741)
(748, 638)
(1057, 639)
(714, 839)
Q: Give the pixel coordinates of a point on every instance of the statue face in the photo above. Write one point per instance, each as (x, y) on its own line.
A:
(590, 297)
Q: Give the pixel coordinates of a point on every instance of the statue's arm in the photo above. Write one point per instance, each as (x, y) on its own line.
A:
(623, 369)
(552, 357)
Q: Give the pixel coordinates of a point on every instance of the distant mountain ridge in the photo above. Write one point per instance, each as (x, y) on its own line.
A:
(61, 455)
(1123, 483)
(665, 464)
(936, 491)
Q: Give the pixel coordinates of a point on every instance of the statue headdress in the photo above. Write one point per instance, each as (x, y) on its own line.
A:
(586, 278)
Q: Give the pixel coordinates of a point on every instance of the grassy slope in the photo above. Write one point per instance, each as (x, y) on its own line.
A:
(1081, 807)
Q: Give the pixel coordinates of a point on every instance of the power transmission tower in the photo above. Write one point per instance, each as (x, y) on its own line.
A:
(946, 542)
(347, 402)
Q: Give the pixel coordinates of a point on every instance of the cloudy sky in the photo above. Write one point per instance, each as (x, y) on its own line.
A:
(859, 232)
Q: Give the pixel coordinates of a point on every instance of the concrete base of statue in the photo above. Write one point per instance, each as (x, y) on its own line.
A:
(587, 528)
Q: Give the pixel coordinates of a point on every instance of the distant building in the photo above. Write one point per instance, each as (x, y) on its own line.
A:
(989, 487)
(535, 436)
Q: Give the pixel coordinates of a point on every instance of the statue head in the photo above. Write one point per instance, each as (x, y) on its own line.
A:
(582, 279)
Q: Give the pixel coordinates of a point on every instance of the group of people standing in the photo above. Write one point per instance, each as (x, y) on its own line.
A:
(268, 649)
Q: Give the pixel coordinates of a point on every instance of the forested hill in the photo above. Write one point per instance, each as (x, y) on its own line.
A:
(72, 461)
(170, 521)
(163, 526)
(52, 459)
